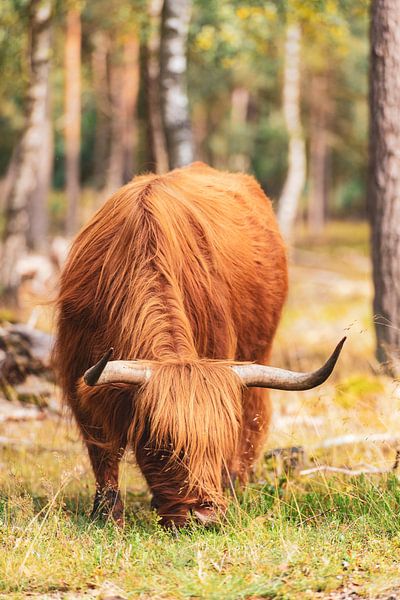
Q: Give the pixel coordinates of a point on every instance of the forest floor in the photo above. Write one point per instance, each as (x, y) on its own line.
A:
(301, 534)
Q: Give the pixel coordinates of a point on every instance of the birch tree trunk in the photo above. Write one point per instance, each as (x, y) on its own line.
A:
(384, 177)
(174, 99)
(72, 127)
(33, 149)
(156, 129)
(296, 175)
(38, 206)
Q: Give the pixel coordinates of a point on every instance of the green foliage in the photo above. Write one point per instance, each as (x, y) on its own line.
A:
(232, 44)
(241, 44)
(14, 71)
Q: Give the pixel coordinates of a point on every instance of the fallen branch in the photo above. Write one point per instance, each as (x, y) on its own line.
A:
(343, 440)
(345, 471)
(365, 438)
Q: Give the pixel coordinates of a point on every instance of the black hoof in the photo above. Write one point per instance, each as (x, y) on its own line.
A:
(108, 504)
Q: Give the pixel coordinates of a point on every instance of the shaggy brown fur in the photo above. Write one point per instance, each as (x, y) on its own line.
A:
(180, 269)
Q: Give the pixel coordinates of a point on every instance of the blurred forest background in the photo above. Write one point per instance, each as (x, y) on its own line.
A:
(304, 94)
(275, 88)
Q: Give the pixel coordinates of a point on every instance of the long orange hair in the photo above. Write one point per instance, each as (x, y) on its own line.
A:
(175, 269)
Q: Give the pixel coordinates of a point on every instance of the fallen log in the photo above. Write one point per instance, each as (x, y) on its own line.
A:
(25, 369)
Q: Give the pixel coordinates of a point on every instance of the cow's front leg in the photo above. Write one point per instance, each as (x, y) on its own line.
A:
(107, 501)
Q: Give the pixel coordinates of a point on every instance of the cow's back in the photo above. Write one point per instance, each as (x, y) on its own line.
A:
(188, 264)
(255, 266)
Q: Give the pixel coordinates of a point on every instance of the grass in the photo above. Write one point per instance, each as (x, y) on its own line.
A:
(286, 535)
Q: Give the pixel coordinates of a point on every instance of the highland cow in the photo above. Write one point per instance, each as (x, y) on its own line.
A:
(184, 275)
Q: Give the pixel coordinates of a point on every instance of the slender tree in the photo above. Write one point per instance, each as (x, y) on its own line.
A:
(38, 206)
(115, 168)
(152, 74)
(296, 175)
(32, 155)
(99, 56)
(384, 177)
(72, 126)
(130, 91)
(174, 99)
(123, 94)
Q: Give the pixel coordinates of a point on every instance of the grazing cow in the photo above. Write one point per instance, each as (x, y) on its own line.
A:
(185, 276)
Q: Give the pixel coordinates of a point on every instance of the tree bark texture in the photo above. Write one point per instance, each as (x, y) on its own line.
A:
(296, 175)
(33, 154)
(174, 98)
(72, 126)
(384, 177)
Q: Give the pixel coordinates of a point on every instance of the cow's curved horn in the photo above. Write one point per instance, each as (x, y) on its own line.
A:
(279, 379)
(116, 371)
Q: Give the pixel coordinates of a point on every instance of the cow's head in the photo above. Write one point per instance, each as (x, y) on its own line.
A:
(188, 417)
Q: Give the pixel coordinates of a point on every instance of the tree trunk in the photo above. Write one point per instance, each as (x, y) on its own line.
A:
(384, 177)
(174, 99)
(130, 91)
(73, 40)
(38, 204)
(115, 169)
(38, 207)
(123, 94)
(101, 45)
(30, 155)
(295, 179)
(320, 113)
(156, 130)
